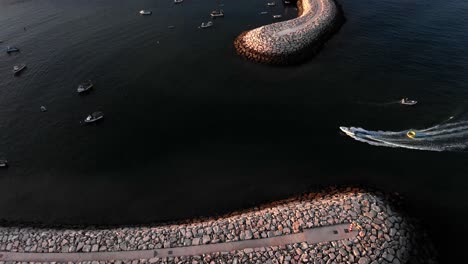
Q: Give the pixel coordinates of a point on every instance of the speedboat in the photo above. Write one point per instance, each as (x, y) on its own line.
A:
(406, 101)
(277, 16)
(206, 25)
(347, 131)
(12, 49)
(94, 117)
(3, 163)
(85, 86)
(145, 12)
(178, 1)
(271, 4)
(17, 69)
(217, 13)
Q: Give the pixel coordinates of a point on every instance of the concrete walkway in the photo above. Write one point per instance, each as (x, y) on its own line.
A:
(318, 11)
(311, 236)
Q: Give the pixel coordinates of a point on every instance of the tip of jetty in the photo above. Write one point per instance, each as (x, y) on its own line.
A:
(295, 40)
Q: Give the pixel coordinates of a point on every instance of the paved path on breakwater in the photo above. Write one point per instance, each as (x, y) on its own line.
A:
(385, 237)
(311, 236)
(302, 26)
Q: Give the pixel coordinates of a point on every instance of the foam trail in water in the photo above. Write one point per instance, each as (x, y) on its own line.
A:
(442, 137)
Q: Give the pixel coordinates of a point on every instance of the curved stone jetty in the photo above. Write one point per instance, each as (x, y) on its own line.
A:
(288, 231)
(294, 40)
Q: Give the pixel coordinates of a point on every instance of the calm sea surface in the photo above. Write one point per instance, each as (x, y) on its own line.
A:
(191, 129)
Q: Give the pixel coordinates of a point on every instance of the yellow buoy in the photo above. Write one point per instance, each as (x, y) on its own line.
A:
(411, 134)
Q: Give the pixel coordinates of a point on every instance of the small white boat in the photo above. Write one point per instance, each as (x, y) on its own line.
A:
(406, 101)
(12, 49)
(85, 86)
(263, 13)
(347, 131)
(206, 24)
(286, 2)
(3, 163)
(178, 1)
(17, 69)
(94, 117)
(43, 108)
(217, 13)
(277, 16)
(145, 12)
(271, 4)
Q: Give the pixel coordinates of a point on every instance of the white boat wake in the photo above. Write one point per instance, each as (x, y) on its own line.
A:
(442, 137)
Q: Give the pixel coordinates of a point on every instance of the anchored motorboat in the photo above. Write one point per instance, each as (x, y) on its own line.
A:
(178, 1)
(43, 108)
(406, 101)
(145, 12)
(12, 49)
(3, 163)
(206, 24)
(277, 16)
(17, 69)
(94, 117)
(217, 13)
(271, 4)
(85, 86)
(286, 2)
(263, 13)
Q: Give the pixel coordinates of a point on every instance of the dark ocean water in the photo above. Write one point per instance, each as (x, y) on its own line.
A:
(191, 129)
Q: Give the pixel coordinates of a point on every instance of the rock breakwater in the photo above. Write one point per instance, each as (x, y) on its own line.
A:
(294, 40)
(384, 235)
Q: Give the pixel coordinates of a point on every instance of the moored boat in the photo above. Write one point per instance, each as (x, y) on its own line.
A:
(12, 49)
(406, 101)
(178, 1)
(206, 24)
(3, 163)
(85, 86)
(145, 12)
(94, 117)
(271, 4)
(277, 16)
(217, 13)
(17, 69)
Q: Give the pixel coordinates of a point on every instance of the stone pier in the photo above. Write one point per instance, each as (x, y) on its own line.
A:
(312, 228)
(294, 40)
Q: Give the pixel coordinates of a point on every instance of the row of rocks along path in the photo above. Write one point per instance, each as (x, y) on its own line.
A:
(385, 237)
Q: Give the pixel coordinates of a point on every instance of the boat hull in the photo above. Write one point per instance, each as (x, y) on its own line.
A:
(88, 121)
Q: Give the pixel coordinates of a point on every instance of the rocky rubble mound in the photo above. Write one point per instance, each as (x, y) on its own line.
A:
(293, 40)
(384, 235)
